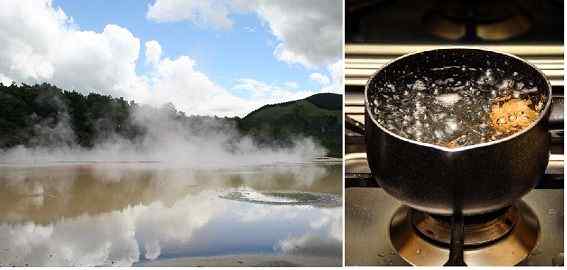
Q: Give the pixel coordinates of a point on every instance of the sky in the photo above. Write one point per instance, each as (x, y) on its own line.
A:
(218, 57)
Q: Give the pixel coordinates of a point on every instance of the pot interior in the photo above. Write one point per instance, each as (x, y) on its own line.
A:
(445, 97)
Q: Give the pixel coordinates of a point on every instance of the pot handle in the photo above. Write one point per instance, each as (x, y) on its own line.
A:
(555, 120)
(354, 125)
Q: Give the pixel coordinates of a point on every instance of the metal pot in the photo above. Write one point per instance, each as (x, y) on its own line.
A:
(474, 179)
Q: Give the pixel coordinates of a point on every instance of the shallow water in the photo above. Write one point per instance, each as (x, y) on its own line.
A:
(138, 214)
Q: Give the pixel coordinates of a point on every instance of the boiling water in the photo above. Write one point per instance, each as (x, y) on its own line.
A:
(453, 112)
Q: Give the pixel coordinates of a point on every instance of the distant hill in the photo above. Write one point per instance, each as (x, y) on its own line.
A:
(327, 101)
(318, 116)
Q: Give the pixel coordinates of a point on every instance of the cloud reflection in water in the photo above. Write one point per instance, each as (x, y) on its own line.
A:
(91, 217)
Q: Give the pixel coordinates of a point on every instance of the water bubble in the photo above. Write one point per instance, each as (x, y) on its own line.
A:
(451, 126)
(505, 84)
(419, 85)
(448, 100)
(375, 110)
(529, 90)
(439, 134)
(446, 110)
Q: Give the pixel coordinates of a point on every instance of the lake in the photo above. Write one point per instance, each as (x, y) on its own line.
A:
(152, 214)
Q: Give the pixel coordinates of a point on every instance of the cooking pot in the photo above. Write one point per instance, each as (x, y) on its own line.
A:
(472, 179)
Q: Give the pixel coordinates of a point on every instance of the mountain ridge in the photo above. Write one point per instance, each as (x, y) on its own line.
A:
(318, 116)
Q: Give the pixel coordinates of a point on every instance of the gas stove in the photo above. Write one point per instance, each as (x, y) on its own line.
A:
(379, 230)
(378, 234)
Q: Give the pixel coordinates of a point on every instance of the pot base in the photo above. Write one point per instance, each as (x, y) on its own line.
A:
(502, 238)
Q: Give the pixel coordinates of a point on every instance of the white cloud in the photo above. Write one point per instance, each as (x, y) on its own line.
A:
(291, 84)
(177, 81)
(319, 78)
(332, 78)
(335, 71)
(40, 43)
(308, 32)
(265, 93)
(153, 52)
(26, 51)
(214, 13)
(249, 29)
(90, 60)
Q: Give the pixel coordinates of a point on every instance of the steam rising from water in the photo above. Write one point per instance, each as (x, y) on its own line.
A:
(215, 142)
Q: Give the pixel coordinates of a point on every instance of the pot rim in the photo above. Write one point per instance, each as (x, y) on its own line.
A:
(541, 116)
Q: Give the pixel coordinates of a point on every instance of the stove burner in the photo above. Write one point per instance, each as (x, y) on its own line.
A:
(479, 230)
(489, 20)
(501, 238)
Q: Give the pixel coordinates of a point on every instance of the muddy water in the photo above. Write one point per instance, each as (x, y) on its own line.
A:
(151, 214)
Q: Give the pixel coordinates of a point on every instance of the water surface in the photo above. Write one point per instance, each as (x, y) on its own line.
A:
(149, 214)
(462, 106)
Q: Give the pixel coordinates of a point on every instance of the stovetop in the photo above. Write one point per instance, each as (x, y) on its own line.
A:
(368, 212)
(369, 209)
(378, 31)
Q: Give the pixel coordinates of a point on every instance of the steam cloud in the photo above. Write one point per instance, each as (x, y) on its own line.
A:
(213, 142)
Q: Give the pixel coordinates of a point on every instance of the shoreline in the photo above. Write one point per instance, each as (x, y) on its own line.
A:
(248, 260)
